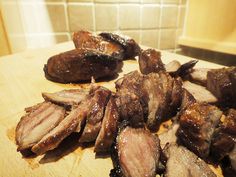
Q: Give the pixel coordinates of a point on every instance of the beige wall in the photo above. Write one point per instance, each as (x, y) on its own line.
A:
(41, 23)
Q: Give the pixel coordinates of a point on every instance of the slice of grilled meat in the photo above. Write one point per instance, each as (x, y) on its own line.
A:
(96, 108)
(108, 129)
(53, 138)
(128, 98)
(67, 97)
(87, 40)
(197, 125)
(131, 48)
(222, 83)
(80, 65)
(138, 153)
(182, 162)
(162, 94)
(38, 121)
(200, 93)
(150, 61)
(199, 75)
(224, 139)
(172, 66)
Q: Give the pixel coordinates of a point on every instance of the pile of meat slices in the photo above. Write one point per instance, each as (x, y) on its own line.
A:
(125, 123)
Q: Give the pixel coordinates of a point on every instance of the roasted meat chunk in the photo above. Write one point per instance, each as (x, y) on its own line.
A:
(199, 75)
(96, 108)
(108, 129)
(67, 97)
(38, 121)
(150, 61)
(221, 82)
(224, 139)
(87, 40)
(80, 65)
(169, 136)
(197, 125)
(172, 66)
(182, 162)
(163, 95)
(138, 153)
(128, 98)
(131, 48)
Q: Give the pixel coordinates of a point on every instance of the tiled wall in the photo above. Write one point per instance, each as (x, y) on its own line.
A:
(155, 23)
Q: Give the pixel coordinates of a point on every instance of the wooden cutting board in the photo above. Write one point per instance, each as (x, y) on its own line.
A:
(21, 83)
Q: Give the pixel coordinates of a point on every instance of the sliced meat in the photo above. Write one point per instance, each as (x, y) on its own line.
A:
(108, 129)
(199, 75)
(162, 100)
(66, 97)
(138, 152)
(184, 69)
(53, 138)
(173, 66)
(129, 45)
(37, 123)
(200, 93)
(80, 65)
(150, 61)
(169, 136)
(87, 40)
(220, 83)
(197, 125)
(95, 114)
(224, 139)
(129, 98)
(182, 162)
(187, 99)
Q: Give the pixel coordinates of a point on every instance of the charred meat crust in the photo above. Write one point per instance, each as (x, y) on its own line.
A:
(197, 125)
(87, 40)
(224, 139)
(131, 48)
(150, 61)
(80, 65)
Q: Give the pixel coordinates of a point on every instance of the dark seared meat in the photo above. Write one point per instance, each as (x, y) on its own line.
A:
(199, 75)
(224, 139)
(182, 162)
(197, 125)
(108, 129)
(80, 65)
(150, 61)
(187, 99)
(169, 136)
(129, 45)
(38, 121)
(96, 108)
(232, 157)
(200, 93)
(221, 82)
(163, 95)
(66, 97)
(173, 66)
(53, 138)
(138, 152)
(184, 69)
(128, 98)
(86, 40)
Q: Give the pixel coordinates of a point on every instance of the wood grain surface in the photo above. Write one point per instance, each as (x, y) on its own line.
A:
(21, 83)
